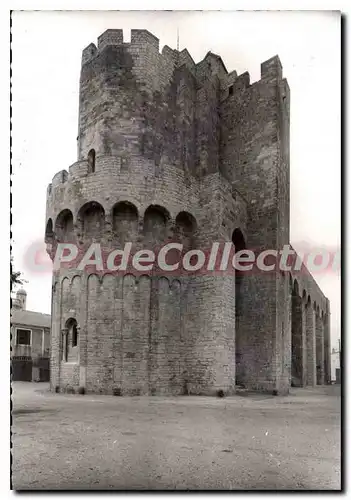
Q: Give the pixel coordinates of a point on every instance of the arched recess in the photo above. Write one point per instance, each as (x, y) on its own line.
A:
(239, 244)
(185, 228)
(91, 161)
(291, 284)
(91, 221)
(238, 241)
(64, 226)
(156, 224)
(72, 327)
(296, 337)
(49, 233)
(71, 340)
(125, 222)
(296, 287)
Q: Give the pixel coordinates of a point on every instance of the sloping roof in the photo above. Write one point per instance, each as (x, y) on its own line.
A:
(30, 318)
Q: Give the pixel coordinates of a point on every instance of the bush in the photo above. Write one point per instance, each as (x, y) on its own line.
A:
(116, 391)
(220, 394)
(81, 390)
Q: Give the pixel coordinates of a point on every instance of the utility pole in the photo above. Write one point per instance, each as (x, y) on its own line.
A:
(339, 355)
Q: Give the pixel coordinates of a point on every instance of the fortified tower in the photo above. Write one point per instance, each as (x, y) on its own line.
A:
(172, 150)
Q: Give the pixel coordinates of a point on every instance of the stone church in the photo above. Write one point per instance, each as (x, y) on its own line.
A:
(173, 150)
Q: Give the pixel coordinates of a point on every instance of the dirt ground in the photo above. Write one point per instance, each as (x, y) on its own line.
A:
(248, 441)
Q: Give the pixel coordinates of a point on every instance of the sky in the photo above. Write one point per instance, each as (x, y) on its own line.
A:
(46, 59)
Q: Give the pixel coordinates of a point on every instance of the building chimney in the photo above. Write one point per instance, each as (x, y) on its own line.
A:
(21, 296)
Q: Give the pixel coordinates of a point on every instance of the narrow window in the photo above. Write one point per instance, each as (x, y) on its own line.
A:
(124, 164)
(91, 161)
(74, 335)
(23, 337)
(71, 339)
(231, 90)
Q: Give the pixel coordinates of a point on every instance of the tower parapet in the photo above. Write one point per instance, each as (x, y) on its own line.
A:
(110, 37)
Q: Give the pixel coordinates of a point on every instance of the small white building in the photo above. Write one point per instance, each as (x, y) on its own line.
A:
(30, 341)
(335, 363)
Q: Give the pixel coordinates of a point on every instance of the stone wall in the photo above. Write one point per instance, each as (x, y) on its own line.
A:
(160, 136)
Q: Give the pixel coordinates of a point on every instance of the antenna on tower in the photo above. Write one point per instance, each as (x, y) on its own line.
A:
(178, 39)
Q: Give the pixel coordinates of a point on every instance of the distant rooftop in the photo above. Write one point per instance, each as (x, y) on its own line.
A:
(20, 315)
(30, 318)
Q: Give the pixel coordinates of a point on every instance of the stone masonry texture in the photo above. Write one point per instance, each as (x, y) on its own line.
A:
(170, 150)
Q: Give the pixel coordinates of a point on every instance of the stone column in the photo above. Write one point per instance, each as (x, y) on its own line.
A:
(108, 227)
(319, 348)
(304, 345)
(310, 344)
(289, 338)
(64, 343)
(78, 344)
(327, 365)
(55, 335)
(83, 333)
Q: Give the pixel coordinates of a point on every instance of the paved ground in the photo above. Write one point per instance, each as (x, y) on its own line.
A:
(241, 442)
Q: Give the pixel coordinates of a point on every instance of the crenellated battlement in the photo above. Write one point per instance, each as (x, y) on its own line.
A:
(185, 58)
(144, 37)
(110, 37)
(114, 37)
(138, 100)
(59, 178)
(88, 53)
(210, 65)
(241, 82)
(272, 68)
